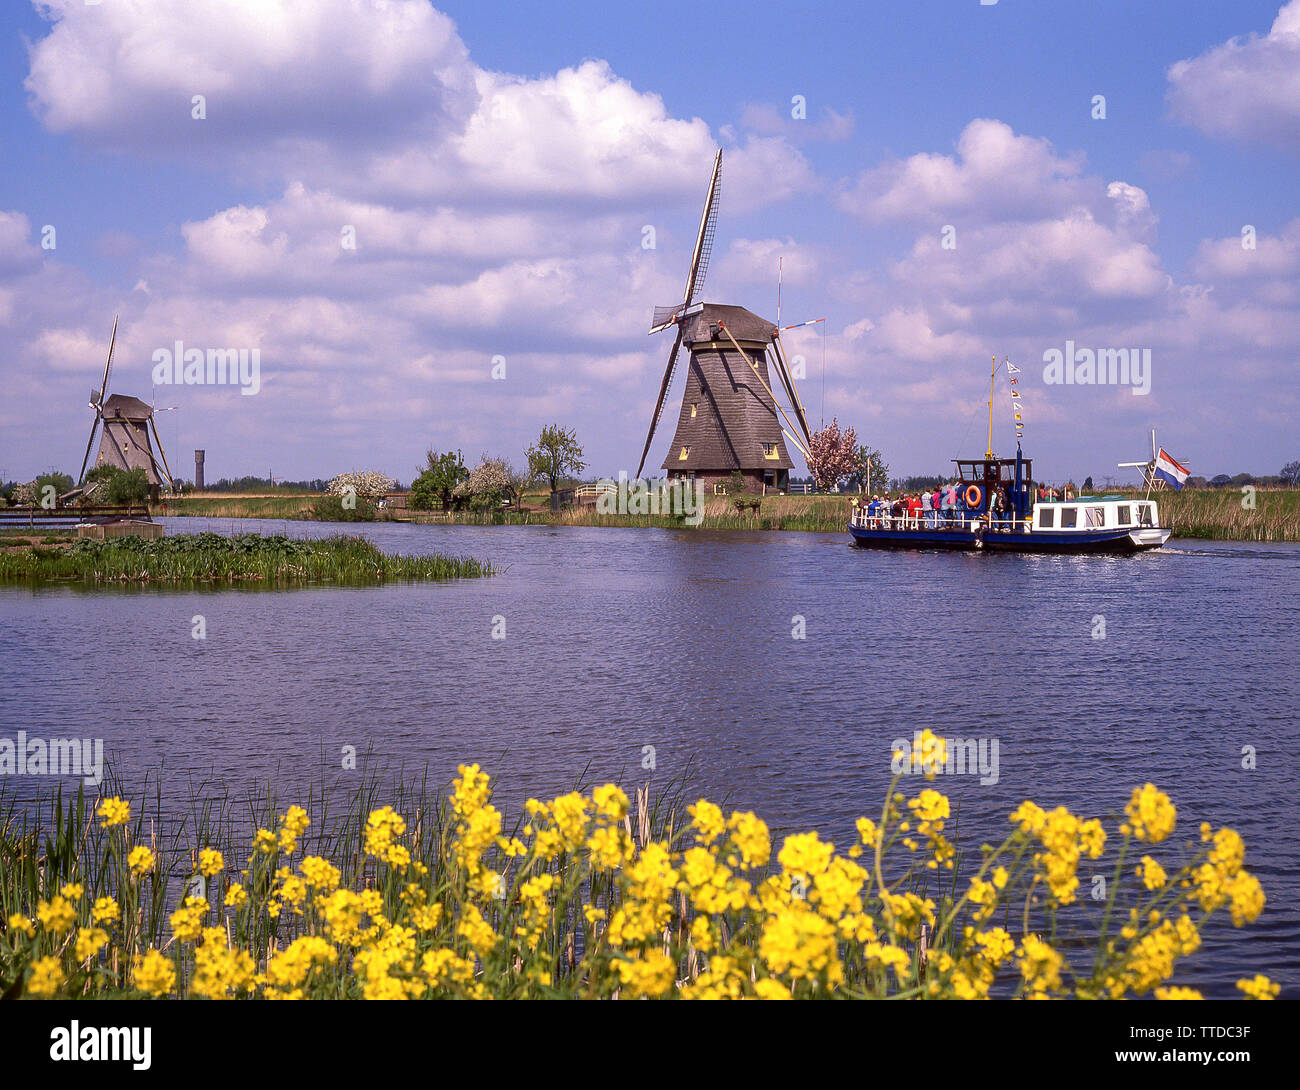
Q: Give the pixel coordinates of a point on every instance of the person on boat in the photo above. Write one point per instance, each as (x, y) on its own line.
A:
(896, 511)
(914, 510)
(935, 502)
(925, 504)
(998, 508)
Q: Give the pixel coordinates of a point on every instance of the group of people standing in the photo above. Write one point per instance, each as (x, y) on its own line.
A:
(946, 506)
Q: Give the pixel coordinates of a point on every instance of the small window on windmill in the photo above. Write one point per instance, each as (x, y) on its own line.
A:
(769, 451)
(686, 453)
(694, 409)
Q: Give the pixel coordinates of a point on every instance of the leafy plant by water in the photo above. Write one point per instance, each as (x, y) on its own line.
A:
(213, 558)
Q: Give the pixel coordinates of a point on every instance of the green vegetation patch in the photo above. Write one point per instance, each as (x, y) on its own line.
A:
(212, 558)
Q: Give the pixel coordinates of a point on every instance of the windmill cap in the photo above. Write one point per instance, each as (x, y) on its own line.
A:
(742, 324)
(127, 408)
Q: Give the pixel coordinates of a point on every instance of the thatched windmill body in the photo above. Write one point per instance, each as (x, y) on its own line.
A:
(125, 424)
(730, 418)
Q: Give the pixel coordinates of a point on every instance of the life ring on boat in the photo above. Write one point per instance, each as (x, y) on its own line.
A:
(974, 496)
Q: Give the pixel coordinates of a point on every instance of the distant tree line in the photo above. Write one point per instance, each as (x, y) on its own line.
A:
(263, 484)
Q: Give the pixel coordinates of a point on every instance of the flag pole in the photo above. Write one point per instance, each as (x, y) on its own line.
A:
(993, 374)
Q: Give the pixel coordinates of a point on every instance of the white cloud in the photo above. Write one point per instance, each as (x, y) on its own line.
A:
(1247, 88)
(273, 73)
(995, 175)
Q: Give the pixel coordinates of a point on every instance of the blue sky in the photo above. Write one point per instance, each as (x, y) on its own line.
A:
(502, 162)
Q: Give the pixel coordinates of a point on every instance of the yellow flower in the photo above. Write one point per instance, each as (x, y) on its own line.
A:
(476, 931)
(211, 863)
(750, 841)
(1178, 993)
(57, 914)
(320, 873)
(292, 826)
(45, 978)
(114, 811)
(1152, 873)
(798, 943)
(72, 891)
(105, 910)
(218, 969)
(1150, 813)
(651, 975)
(610, 801)
(19, 922)
(187, 921)
(140, 860)
(153, 973)
(89, 942)
(707, 819)
(1259, 987)
(771, 989)
(236, 896)
(302, 961)
(805, 854)
(609, 846)
(383, 827)
(1040, 967)
(343, 911)
(265, 841)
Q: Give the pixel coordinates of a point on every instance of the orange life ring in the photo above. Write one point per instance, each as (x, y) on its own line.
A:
(974, 496)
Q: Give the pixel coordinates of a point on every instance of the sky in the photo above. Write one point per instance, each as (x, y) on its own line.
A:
(447, 227)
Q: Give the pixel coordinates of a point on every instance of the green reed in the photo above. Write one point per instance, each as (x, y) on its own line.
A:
(213, 558)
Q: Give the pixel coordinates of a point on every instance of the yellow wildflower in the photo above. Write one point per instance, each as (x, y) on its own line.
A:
(113, 812)
(153, 973)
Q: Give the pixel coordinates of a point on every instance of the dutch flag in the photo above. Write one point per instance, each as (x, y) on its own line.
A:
(1171, 471)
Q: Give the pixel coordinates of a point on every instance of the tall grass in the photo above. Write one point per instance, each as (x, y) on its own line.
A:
(212, 558)
(236, 506)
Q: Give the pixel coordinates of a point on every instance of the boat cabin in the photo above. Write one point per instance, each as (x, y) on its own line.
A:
(979, 478)
(1095, 513)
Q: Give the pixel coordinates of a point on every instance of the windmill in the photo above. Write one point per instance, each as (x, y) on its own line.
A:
(1150, 479)
(124, 423)
(729, 415)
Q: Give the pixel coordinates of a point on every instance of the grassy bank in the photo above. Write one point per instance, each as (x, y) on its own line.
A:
(233, 505)
(399, 892)
(211, 558)
(1217, 515)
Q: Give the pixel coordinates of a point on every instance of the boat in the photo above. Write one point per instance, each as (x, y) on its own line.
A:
(1088, 524)
(1025, 522)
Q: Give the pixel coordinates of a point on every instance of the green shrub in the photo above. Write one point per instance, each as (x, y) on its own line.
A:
(331, 509)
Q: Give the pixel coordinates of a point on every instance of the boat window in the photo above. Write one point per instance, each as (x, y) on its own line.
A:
(1069, 518)
(1145, 514)
(1123, 515)
(1047, 517)
(1096, 517)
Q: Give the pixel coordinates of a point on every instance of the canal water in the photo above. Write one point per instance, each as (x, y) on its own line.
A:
(774, 670)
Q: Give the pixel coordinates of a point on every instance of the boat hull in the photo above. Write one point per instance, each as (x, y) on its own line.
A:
(1042, 541)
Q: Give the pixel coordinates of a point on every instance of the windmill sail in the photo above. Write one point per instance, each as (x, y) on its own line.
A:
(97, 403)
(667, 316)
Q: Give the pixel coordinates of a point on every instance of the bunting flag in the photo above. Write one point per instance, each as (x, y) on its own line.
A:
(1016, 399)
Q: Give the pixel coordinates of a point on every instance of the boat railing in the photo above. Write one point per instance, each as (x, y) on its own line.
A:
(968, 522)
